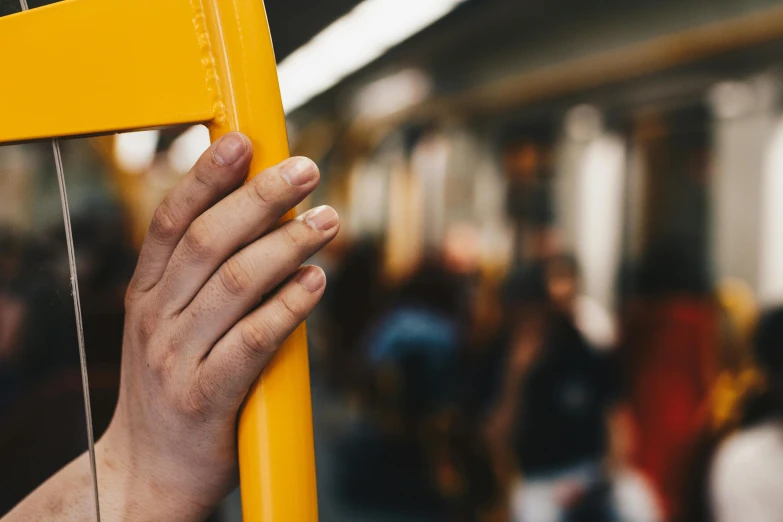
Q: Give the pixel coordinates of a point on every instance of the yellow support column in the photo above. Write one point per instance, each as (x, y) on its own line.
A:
(276, 458)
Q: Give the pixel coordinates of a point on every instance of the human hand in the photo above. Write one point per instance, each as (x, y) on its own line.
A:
(210, 302)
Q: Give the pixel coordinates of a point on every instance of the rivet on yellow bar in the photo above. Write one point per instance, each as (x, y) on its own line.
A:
(83, 67)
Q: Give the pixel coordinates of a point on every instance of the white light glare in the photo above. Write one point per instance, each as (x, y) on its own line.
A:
(187, 148)
(353, 41)
(134, 152)
(393, 93)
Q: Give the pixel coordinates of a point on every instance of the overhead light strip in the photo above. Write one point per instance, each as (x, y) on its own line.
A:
(353, 41)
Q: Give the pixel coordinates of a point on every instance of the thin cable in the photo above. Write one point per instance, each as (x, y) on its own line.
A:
(77, 307)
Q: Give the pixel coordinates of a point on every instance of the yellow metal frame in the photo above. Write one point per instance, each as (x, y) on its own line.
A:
(82, 67)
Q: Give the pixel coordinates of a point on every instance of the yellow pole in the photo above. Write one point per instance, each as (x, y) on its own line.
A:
(276, 456)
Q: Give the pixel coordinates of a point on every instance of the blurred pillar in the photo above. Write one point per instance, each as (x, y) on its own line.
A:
(771, 275)
(431, 162)
(405, 214)
(590, 200)
(489, 195)
(745, 121)
(368, 192)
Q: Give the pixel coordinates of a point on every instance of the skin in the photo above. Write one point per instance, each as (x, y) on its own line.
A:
(217, 289)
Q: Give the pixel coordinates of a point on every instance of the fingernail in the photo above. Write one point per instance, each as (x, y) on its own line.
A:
(298, 171)
(321, 218)
(229, 149)
(312, 278)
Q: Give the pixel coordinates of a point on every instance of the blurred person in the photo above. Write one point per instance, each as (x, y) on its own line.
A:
(668, 354)
(474, 489)
(559, 437)
(422, 329)
(745, 477)
(526, 164)
(217, 288)
(738, 383)
(354, 296)
(400, 444)
(738, 375)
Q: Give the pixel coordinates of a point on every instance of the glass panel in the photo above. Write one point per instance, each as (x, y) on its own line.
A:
(42, 421)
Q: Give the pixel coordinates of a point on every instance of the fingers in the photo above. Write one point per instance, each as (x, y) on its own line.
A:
(238, 359)
(241, 282)
(239, 219)
(220, 169)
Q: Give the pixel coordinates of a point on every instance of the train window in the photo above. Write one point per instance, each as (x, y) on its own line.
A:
(40, 383)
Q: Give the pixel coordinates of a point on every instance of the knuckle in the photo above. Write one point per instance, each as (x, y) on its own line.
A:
(260, 192)
(199, 240)
(160, 364)
(196, 401)
(236, 276)
(203, 172)
(296, 235)
(164, 221)
(291, 312)
(216, 385)
(132, 295)
(258, 339)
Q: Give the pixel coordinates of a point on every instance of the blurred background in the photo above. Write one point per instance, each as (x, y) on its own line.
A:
(554, 296)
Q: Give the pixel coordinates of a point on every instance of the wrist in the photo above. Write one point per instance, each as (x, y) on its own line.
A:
(131, 487)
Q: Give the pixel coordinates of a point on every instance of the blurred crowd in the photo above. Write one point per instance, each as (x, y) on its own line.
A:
(447, 390)
(473, 395)
(539, 416)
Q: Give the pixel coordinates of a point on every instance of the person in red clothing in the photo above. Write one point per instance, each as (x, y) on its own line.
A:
(668, 355)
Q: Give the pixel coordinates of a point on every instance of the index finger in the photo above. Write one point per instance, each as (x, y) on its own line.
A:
(219, 170)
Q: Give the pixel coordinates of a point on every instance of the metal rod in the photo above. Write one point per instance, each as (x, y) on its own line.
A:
(77, 308)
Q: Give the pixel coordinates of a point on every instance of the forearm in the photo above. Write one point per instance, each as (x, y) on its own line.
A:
(64, 497)
(68, 496)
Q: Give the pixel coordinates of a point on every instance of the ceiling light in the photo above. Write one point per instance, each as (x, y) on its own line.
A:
(392, 94)
(353, 41)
